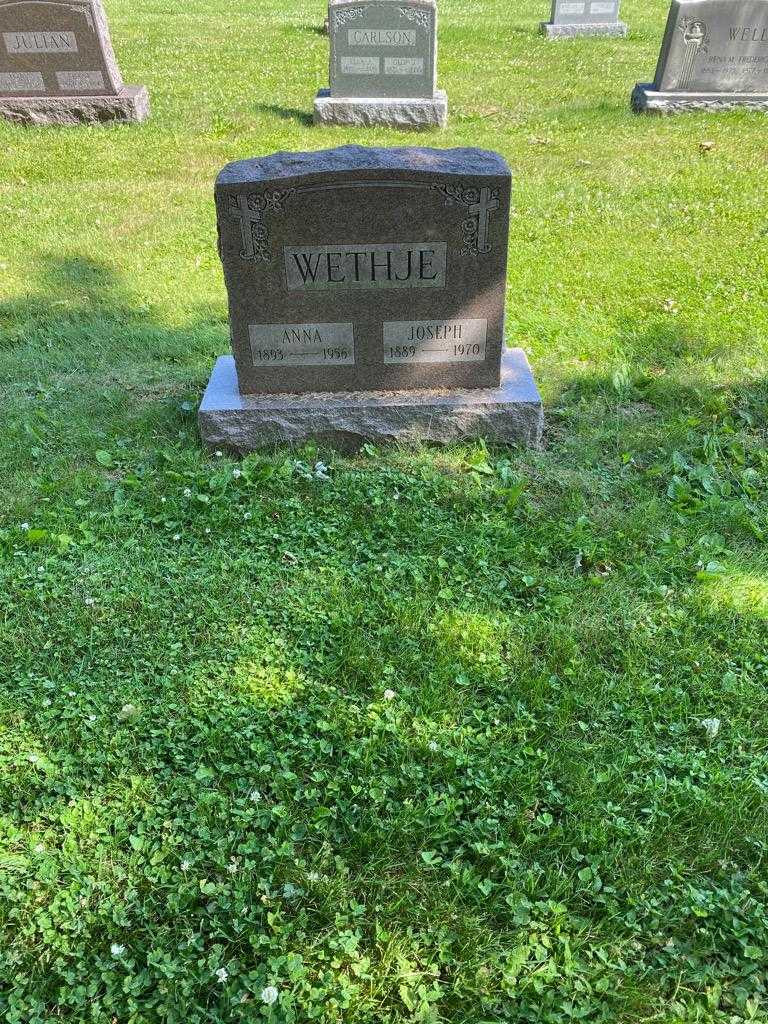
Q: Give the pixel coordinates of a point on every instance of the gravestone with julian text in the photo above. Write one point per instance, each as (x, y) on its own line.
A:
(383, 65)
(714, 56)
(366, 300)
(57, 65)
(571, 18)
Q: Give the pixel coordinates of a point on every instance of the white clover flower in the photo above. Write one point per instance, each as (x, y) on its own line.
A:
(207, 529)
(39, 848)
(389, 695)
(221, 975)
(248, 515)
(177, 536)
(237, 473)
(24, 527)
(71, 693)
(269, 995)
(313, 876)
(218, 454)
(432, 745)
(90, 600)
(116, 949)
(163, 501)
(232, 867)
(91, 718)
(33, 758)
(185, 865)
(127, 711)
(254, 795)
(187, 492)
(711, 726)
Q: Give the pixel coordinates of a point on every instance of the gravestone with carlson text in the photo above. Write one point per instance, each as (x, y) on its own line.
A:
(383, 66)
(714, 56)
(572, 18)
(366, 300)
(57, 65)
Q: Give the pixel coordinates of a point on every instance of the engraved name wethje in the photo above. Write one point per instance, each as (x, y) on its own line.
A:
(302, 344)
(21, 81)
(392, 265)
(381, 37)
(40, 42)
(435, 341)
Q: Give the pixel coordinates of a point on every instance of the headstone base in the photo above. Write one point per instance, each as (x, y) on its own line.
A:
(646, 100)
(394, 113)
(511, 413)
(617, 29)
(130, 104)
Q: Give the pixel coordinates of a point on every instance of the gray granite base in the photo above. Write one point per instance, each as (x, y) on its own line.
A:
(617, 29)
(395, 113)
(130, 104)
(646, 100)
(511, 413)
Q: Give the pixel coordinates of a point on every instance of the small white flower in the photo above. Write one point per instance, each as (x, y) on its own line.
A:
(116, 949)
(90, 601)
(177, 536)
(91, 718)
(389, 695)
(41, 568)
(711, 726)
(33, 758)
(313, 876)
(187, 492)
(218, 454)
(248, 515)
(185, 865)
(232, 867)
(254, 795)
(24, 527)
(237, 473)
(221, 975)
(163, 501)
(39, 848)
(207, 529)
(432, 745)
(269, 995)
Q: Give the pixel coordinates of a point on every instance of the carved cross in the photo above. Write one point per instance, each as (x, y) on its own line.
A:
(241, 210)
(483, 210)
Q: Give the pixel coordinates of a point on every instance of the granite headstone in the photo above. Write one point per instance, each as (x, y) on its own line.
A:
(571, 18)
(376, 278)
(383, 65)
(57, 65)
(714, 56)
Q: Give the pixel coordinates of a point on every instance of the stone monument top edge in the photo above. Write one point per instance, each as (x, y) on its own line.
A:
(469, 161)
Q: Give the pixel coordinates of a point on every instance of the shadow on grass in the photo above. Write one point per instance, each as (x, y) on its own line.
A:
(301, 117)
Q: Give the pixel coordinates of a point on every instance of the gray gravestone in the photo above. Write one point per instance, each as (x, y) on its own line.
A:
(714, 56)
(572, 18)
(366, 300)
(383, 67)
(57, 65)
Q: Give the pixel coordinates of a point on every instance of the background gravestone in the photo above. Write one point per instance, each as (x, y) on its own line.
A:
(57, 65)
(377, 278)
(383, 65)
(572, 18)
(714, 56)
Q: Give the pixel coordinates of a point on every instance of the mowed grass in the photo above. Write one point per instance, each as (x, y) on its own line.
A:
(460, 736)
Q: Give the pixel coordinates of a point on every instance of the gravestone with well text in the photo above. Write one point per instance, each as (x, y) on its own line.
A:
(383, 66)
(366, 300)
(57, 65)
(714, 56)
(572, 18)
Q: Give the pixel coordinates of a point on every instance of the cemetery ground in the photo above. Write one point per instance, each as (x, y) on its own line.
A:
(468, 735)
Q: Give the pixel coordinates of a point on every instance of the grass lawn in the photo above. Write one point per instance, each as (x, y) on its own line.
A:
(462, 736)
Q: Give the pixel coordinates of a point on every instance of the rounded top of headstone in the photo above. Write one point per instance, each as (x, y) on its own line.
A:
(467, 160)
